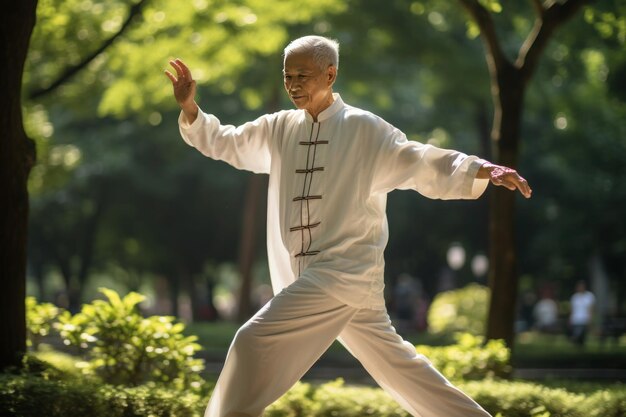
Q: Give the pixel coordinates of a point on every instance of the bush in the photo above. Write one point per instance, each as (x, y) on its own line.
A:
(297, 402)
(334, 399)
(50, 365)
(39, 320)
(501, 399)
(123, 347)
(469, 359)
(461, 310)
(31, 395)
(58, 364)
(522, 399)
(606, 403)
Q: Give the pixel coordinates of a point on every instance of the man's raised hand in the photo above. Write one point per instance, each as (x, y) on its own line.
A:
(184, 89)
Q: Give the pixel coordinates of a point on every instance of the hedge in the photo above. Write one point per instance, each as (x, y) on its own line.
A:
(29, 395)
(33, 395)
(502, 399)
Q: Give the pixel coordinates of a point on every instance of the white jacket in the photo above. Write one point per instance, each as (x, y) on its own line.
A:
(328, 188)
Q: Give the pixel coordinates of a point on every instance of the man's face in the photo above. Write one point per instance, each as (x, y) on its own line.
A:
(308, 86)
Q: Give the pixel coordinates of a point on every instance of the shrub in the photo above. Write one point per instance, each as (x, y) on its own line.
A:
(39, 320)
(59, 365)
(606, 403)
(501, 399)
(333, 399)
(50, 365)
(469, 359)
(30, 395)
(522, 399)
(296, 402)
(123, 347)
(461, 310)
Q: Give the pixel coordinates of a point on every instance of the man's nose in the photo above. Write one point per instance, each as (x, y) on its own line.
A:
(294, 83)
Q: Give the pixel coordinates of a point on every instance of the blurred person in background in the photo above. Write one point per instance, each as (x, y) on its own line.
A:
(581, 313)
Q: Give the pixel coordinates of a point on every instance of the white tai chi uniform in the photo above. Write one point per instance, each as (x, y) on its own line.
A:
(326, 233)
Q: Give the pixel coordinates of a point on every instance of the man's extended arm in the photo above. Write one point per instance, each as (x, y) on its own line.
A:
(435, 172)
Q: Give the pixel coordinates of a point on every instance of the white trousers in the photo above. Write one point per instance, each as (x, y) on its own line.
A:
(274, 349)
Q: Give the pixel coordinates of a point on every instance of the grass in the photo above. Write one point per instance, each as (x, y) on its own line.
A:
(556, 351)
(532, 350)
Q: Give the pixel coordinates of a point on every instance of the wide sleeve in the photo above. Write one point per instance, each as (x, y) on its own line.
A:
(245, 147)
(433, 172)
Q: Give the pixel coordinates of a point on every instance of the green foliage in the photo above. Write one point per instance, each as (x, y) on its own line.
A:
(460, 310)
(39, 320)
(503, 399)
(606, 403)
(123, 347)
(609, 19)
(297, 402)
(32, 395)
(521, 399)
(218, 39)
(469, 359)
(335, 399)
(29, 395)
(51, 364)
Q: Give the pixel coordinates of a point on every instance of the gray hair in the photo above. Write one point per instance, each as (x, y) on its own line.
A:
(325, 51)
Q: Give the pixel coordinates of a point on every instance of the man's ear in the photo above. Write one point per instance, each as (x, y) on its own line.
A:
(331, 75)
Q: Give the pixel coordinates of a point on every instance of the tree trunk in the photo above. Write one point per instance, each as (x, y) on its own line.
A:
(508, 84)
(174, 292)
(17, 155)
(508, 100)
(248, 245)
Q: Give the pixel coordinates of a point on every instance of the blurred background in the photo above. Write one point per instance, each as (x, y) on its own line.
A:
(118, 200)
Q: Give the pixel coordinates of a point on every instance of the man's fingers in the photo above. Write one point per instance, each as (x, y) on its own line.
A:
(184, 68)
(171, 77)
(177, 67)
(522, 186)
(510, 179)
(513, 181)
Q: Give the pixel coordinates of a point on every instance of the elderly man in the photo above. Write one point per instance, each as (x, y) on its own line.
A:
(331, 166)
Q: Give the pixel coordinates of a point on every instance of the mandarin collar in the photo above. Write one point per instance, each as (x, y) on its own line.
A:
(328, 112)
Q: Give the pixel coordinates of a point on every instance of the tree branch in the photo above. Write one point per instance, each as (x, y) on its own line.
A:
(483, 19)
(69, 72)
(553, 16)
(539, 9)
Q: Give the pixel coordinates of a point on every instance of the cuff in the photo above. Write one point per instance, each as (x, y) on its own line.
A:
(193, 127)
(187, 131)
(478, 185)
